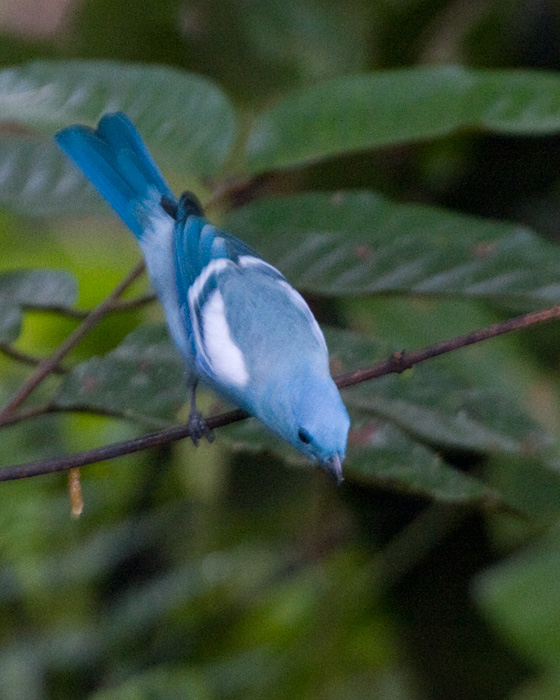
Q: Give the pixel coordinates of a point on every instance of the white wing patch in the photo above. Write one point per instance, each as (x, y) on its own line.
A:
(223, 355)
(300, 302)
(213, 267)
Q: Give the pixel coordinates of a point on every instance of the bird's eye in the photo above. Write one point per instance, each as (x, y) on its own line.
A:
(304, 436)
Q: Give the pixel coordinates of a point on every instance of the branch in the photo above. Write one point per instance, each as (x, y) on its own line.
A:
(46, 366)
(398, 362)
(50, 409)
(118, 307)
(117, 449)
(26, 359)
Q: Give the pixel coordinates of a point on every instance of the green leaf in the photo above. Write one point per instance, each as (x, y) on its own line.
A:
(38, 289)
(386, 456)
(458, 427)
(35, 179)
(392, 107)
(362, 243)
(529, 485)
(185, 118)
(381, 454)
(522, 596)
(433, 405)
(142, 380)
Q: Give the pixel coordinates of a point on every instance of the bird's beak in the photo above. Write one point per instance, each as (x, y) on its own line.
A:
(333, 466)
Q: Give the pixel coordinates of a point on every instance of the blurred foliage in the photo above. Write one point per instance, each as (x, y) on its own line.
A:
(398, 160)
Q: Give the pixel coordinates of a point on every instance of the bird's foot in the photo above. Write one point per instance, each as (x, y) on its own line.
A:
(198, 428)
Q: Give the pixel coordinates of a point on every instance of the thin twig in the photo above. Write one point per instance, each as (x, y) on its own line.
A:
(400, 361)
(26, 359)
(133, 304)
(117, 449)
(51, 408)
(117, 307)
(397, 363)
(27, 413)
(46, 366)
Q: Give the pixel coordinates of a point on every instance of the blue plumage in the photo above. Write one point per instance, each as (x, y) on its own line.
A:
(240, 327)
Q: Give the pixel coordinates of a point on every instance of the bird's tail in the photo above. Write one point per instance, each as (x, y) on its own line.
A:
(117, 162)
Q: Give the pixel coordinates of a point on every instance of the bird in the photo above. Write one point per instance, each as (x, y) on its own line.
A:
(240, 327)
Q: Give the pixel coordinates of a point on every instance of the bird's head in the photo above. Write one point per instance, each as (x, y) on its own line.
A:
(322, 425)
(312, 418)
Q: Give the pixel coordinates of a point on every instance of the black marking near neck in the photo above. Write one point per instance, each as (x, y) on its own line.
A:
(189, 206)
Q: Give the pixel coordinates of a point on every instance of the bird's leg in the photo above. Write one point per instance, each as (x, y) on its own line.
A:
(197, 426)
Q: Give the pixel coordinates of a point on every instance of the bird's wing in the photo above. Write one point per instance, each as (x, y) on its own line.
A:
(240, 312)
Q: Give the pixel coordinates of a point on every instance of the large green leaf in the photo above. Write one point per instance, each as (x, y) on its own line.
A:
(39, 289)
(142, 380)
(381, 454)
(362, 243)
(187, 121)
(385, 456)
(398, 106)
(183, 116)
